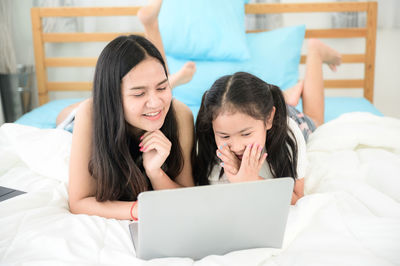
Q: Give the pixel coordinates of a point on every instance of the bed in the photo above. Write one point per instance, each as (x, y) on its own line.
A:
(350, 214)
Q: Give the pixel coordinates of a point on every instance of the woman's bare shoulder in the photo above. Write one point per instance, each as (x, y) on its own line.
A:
(185, 121)
(182, 111)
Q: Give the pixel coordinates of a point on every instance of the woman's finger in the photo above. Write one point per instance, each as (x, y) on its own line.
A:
(154, 136)
(157, 145)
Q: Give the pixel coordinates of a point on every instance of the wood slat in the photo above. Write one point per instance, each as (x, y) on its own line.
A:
(38, 48)
(84, 37)
(91, 61)
(69, 86)
(88, 11)
(346, 58)
(263, 8)
(370, 47)
(337, 33)
(330, 33)
(344, 83)
(70, 62)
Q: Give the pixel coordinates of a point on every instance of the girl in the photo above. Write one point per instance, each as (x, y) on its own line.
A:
(127, 137)
(243, 119)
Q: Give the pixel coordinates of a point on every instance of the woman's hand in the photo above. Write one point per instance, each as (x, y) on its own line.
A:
(250, 166)
(156, 148)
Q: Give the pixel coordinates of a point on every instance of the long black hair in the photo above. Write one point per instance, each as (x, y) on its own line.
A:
(116, 162)
(252, 96)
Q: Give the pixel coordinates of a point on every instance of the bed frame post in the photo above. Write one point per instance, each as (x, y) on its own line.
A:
(41, 72)
(370, 45)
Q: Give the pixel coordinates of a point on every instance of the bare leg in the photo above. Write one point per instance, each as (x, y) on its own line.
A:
(148, 15)
(65, 112)
(313, 92)
(293, 94)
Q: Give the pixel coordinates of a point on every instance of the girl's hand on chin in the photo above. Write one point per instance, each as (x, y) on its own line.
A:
(250, 166)
(156, 148)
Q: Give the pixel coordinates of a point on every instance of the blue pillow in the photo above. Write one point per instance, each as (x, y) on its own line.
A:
(204, 29)
(45, 116)
(275, 57)
(336, 106)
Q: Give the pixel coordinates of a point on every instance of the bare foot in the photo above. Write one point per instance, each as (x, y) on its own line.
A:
(293, 94)
(184, 75)
(328, 55)
(148, 15)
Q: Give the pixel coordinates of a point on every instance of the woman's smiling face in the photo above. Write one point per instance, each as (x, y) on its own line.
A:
(146, 95)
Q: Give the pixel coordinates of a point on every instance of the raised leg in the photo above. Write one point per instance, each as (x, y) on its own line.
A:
(313, 92)
(148, 15)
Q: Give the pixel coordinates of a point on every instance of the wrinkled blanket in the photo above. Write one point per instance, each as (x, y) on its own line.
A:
(350, 214)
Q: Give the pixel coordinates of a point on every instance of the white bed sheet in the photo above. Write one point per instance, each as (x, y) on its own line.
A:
(350, 215)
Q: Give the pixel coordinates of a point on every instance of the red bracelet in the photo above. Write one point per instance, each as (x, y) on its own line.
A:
(133, 205)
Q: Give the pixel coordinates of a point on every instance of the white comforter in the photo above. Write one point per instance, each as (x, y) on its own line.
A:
(350, 215)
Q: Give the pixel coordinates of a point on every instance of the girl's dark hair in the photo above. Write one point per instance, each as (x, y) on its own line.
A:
(245, 93)
(116, 162)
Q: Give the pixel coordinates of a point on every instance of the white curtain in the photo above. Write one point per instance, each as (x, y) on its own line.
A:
(68, 24)
(263, 22)
(388, 16)
(7, 49)
(348, 19)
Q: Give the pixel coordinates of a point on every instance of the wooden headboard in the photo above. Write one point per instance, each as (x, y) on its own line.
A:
(43, 62)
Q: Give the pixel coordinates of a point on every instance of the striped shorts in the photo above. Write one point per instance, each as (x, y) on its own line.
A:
(305, 123)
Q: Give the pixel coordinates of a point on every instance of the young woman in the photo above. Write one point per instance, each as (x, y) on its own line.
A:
(127, 138)
(245, 131)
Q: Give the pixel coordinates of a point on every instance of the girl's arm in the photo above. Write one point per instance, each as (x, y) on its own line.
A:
(186, 134)
(81, 184)
(298, 191)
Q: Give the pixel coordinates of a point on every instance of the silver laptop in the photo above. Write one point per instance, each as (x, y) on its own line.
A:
(199, 221)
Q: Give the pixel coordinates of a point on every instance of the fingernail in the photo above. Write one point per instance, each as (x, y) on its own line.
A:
(222, 164)
(141, 149)
(220, 147)
(140, 144)
(141, 137)
(218, 153)
(225, 144)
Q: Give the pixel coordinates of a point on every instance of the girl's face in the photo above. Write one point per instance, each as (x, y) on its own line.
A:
(237, 130)
(146, 95)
